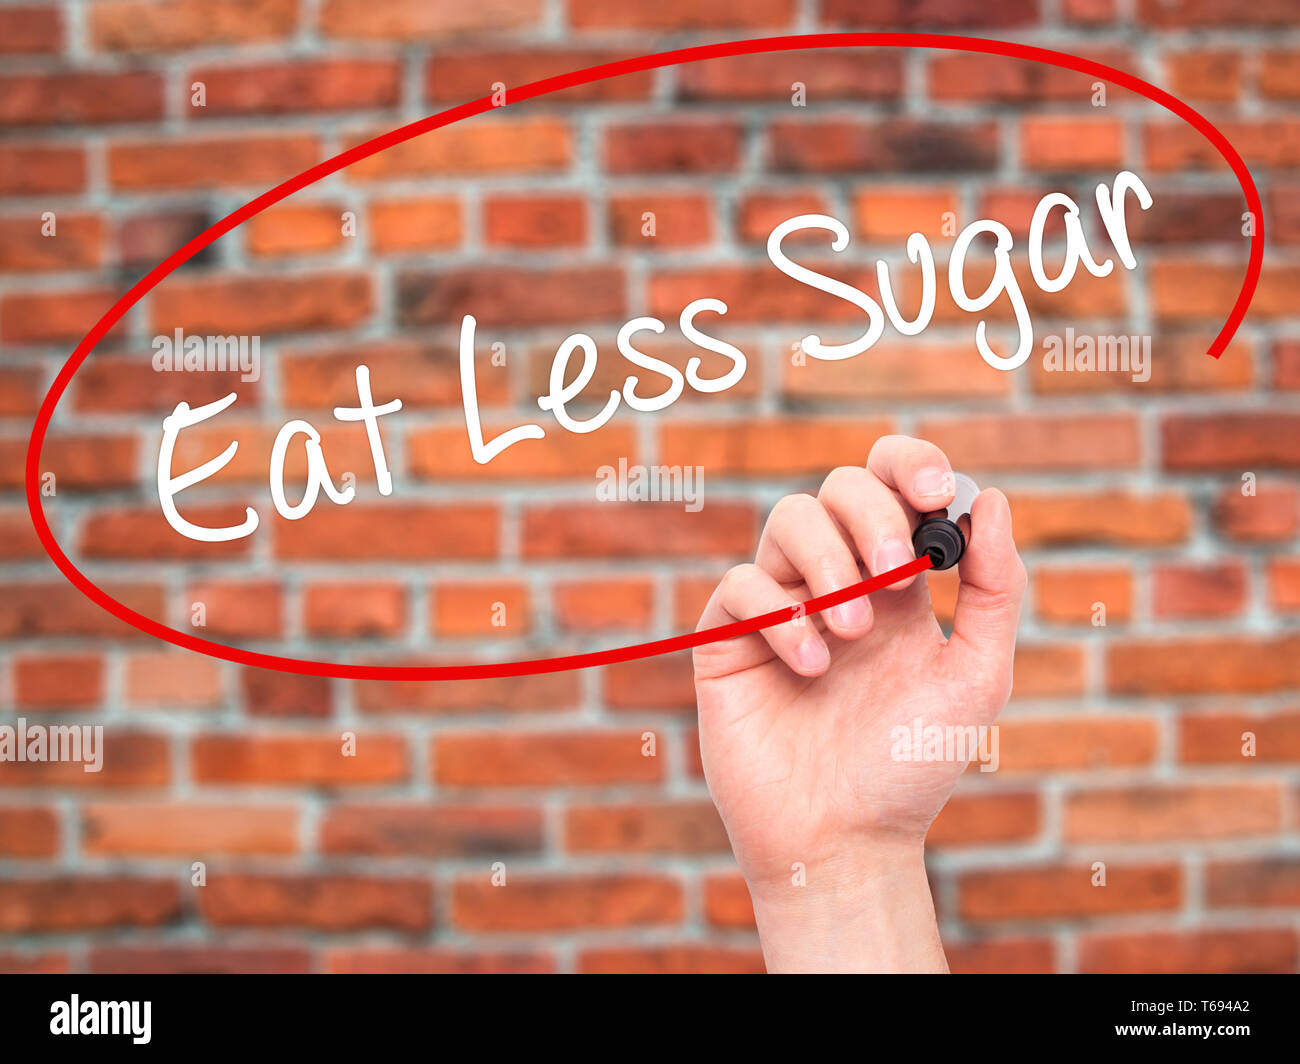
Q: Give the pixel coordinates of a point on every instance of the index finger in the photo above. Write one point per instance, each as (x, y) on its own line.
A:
(916, 469)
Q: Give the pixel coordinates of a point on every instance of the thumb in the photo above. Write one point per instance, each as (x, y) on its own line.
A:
(987, 614)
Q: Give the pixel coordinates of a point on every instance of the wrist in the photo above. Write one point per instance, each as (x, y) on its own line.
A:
(866, 909)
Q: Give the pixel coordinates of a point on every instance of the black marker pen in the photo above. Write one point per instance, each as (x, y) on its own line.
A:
(939, 535)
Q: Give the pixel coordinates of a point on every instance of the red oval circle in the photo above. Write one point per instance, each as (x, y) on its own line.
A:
(526, 92)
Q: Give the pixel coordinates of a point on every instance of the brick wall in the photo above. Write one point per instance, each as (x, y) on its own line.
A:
(1122, 743)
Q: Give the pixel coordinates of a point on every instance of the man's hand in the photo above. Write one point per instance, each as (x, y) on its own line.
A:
(796, 720)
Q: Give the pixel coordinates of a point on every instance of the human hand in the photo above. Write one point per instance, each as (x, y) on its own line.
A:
(796, 720)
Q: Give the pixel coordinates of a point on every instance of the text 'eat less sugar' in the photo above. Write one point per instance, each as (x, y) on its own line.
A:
(1110, 205)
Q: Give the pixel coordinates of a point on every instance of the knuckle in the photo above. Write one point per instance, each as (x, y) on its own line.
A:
(839, 480)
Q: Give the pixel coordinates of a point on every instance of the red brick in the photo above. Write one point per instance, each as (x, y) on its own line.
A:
(827, 74)
(1034, 441)
(144, 534)
(70, 98)
(1107, 517)
(1243, 949)
(258, 161)
(543, 759)
(44, 609)
(1231, 441)
(81, 462)
(1201, 666)
(145, 26)
(948, 14)
(761, 212)
(1091, 741)
(1204, 74)
(912, 370)
(1255, 882)
(673, 146)
(1272, 513)
(29, 831)
(188, 830)
(471, 74)
(354, 611)
(444, 453)
(567, 903)
(882, 146)
(83, 903)
(405, 21)
(1199, 590)
(1262, 142)
(638, 530)
(1047, 670)
(424, 224)
(77, 243)
(147, 237)
(1164, 813)
(298, 759)
(426, 376)
(242, 610)
(678, 827)
(30, 962)
(171, 679)
(894, 214)
(1067, 595)
(286, 694)
(297, 87)
(1220, 738)
(1199, 291)
(390, 829)
(975, 819)
(680, 220)
(318, 902)
(770, 447)
(416, 961)
(41, 169)
(665, 683)
(295, 229)
(681, 14)
(970, 76)
(509, 297)
(129, 759)
(1022, 956)
(537, 221)
(462, 610)
(527, 694)
(257, 305)
(1198, 13)
(726, 902)
(1066, 891)
(1284, 584)
(52, 317)
(1277, 75)
(603, 605)
(527, 146)
(31, 30)
(58, 681)
(685, 959)
(397, 532)
(168, 959)
(1178, 364)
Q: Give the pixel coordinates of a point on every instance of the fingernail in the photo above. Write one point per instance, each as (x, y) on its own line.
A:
(890, 555)
(934, 483)
(852, 614)
(812, 654)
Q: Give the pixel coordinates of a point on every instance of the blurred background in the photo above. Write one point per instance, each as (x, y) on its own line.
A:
(358, 825)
